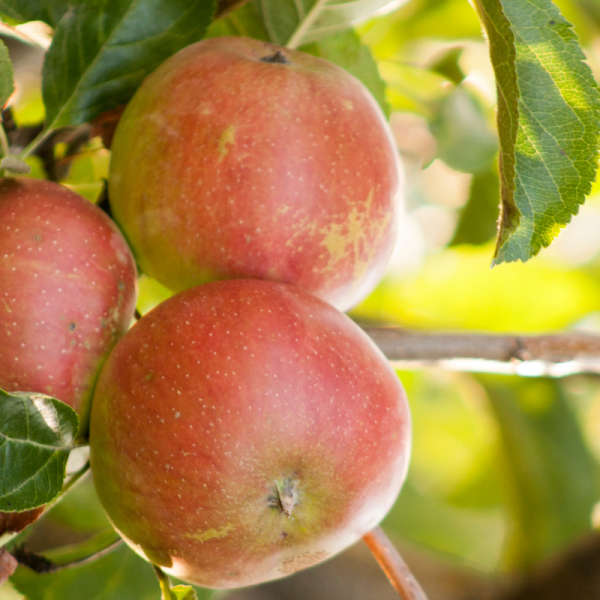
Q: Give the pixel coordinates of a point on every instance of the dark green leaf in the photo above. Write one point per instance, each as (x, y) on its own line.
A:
(347, 51)
(103, 49)
(48, 11)
(294, 23)
(36, 435)
(120, 575)
(478, 218)
(7, 84)
(465, 141)
(548, 122)
(553, 479)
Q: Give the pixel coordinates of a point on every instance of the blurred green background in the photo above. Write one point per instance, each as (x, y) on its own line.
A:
(505, 469)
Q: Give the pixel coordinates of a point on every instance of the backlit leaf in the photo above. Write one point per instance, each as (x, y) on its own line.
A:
(548, 122)
(184, 592)
(294, 23)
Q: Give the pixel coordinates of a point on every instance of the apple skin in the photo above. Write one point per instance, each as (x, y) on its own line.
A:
(225, 166)
(225, 394)
(68, 291)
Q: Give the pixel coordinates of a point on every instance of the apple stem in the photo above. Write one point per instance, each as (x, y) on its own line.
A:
(164, 581)
(287, 496)
(393, 565)
(278, 58)
(284, 496)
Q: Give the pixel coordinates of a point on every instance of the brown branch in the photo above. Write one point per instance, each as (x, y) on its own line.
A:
(550, 355)
(41, 564)
(393, 566)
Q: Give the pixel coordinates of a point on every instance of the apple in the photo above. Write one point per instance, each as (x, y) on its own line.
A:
(238, 158)
(67, 293)
(244, 430)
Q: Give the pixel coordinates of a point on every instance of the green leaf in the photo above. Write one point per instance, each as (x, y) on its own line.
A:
(120, 575)
(7, 84)
(103, 49)
(548, 122)
(294, 23)
(412, 88)
(36, 436)
(477, 222)
(551, 476)
(465, 142)
(245, 21)
(347, 51)
(80, 509)
(453, 21)
(447, 65)
(48, 11)
(184, 592)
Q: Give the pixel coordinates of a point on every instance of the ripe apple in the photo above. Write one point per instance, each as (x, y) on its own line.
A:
(237, 158)
(243, 430)
(67, 292)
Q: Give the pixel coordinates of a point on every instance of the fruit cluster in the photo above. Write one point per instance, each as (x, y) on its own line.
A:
(245, 428)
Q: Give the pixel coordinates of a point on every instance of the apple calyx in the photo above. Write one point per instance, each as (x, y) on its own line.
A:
(285, 494)
(277, 58)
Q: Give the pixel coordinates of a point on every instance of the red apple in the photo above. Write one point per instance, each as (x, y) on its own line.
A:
(237, 158)
(67, 292)
(243, 430)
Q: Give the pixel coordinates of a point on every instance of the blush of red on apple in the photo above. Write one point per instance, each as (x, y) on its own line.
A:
(244, 430)
(240, 159)
(67, 293)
